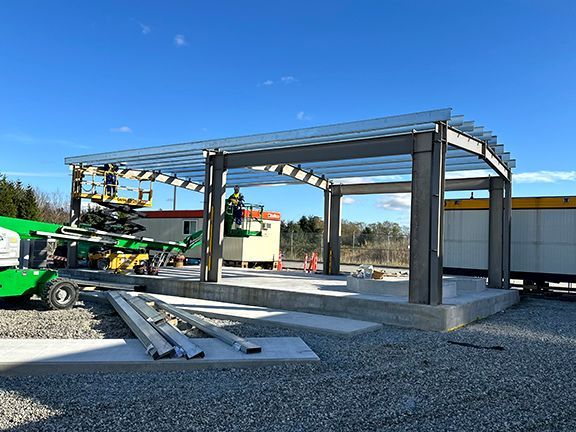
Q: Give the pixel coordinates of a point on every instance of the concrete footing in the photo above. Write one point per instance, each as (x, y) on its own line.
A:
(328, 296)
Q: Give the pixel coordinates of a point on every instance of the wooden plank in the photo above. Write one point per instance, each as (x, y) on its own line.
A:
(155, 345)
(237, 342)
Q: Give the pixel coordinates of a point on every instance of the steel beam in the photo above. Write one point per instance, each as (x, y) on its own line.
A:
(496, 233)
(476, 183)
(206, 219)
(238, 343)
(143, 175)
(427, 212)
(355, 149)
(296, 173)
(480, 148)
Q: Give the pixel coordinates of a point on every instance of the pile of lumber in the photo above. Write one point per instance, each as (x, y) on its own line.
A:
(152, 321)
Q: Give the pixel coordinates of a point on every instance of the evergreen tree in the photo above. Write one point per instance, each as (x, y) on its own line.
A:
(28, 205)
(8, 205)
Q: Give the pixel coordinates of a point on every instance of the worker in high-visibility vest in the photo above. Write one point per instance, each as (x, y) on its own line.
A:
(236, 201)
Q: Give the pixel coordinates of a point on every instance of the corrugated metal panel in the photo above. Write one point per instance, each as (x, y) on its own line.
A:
(466, 239)
(543, 240)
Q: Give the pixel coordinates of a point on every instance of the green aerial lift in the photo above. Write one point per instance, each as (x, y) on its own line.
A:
(26, 245)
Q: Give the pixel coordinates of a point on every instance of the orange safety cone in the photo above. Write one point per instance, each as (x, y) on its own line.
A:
(313, 263)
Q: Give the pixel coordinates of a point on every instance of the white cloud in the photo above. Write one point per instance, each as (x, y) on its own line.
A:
(145, 29)
(394, 202)
(33, 174)
(180, 40)
(348, 200)
(22, 138)
(544, 176)
(468, 174)
(268, 83)
(288, 79)
(121, 129)
(301, 115)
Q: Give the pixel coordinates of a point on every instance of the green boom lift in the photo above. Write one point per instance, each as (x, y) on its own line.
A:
(25, 246)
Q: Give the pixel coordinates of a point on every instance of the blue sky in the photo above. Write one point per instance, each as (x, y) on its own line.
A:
(84, 77)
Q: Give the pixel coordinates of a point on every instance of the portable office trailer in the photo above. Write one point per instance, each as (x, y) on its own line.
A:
(543, 247)
(177, 224)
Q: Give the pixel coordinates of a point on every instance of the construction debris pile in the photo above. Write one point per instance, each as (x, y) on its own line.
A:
(158, 327)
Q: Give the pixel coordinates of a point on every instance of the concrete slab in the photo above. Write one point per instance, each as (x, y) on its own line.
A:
(65, 356)
(324, 295)
(275, 317)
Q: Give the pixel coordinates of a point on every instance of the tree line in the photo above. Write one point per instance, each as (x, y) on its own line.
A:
(26, 202)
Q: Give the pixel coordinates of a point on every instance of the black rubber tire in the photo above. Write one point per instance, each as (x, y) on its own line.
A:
(60, 293)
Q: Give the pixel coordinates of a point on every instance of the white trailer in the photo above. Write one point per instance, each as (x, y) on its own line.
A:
(543, 236)
(244, 251)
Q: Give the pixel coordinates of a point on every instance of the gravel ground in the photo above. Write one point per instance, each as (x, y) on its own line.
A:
(393, 379)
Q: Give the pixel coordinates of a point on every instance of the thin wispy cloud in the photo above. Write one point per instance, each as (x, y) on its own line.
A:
(121, 129)
(144, 28)
(180, 40)
(348, 200)
(468, 174)
(544, 177)
(288, 79)
(24, 139)
(33, 174)
(394, 202)
(301, 115)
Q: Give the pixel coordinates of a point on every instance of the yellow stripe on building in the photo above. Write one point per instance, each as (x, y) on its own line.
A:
(518, 203)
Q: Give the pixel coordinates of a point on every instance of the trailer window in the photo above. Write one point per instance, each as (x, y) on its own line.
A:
(189, 227)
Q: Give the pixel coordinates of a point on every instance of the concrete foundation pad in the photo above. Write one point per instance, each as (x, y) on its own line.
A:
(64, 356)
(324, 295)
(275, 317)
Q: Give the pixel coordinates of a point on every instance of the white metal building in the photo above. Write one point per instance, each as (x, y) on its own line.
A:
(175, 225)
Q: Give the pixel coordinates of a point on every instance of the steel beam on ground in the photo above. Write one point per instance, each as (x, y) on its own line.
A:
(169, 332)
(426, 214)
(296, 173)
(496, 233)
(155, 345)
(237, 342)
(356, 149)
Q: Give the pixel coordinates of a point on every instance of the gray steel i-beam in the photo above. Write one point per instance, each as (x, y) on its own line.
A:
(206, 222)
(496, 233)
(217, 210)
(335, 230)
(507, 233)
(427, 213)
(75, 210)
(326, 233)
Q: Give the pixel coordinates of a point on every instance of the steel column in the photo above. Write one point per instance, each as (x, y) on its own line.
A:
(213, 218)
(427, 214)
(507, 233)
(496, 233)
(335, 230)
(75, 213)
(326, 255)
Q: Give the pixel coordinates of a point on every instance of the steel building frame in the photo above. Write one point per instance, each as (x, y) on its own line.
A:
(423, 145)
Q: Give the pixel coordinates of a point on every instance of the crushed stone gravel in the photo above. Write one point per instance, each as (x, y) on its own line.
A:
(393, 379)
